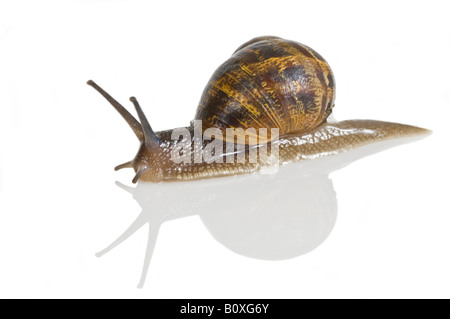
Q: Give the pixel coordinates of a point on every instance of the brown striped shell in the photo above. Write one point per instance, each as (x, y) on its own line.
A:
(269, 82)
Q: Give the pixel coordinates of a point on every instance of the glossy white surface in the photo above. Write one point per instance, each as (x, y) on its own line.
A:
(376, 228)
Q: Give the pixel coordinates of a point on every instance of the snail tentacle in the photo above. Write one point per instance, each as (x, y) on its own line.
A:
(139, 174)
(150, 138)
(132, 122)
(124, 165)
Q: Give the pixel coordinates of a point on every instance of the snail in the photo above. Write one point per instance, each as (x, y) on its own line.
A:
(269, 83)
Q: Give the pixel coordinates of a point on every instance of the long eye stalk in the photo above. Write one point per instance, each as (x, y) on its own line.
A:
(150, 138)
(132, 122)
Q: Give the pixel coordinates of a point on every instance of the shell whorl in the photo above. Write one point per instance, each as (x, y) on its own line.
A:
(269, 83)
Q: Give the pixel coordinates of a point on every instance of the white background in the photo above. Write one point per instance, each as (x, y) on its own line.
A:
(59, 142)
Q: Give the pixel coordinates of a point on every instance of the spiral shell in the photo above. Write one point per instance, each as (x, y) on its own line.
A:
(269, 82)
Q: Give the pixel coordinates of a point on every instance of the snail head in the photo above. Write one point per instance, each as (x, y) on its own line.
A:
(147, 162)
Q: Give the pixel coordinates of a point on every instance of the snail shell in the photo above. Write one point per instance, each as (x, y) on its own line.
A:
(268, 83)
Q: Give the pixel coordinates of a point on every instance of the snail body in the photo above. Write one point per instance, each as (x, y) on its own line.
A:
(267, 83)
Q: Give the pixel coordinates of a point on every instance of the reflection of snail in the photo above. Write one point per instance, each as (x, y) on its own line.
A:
(267, 83)
(253, 224)
(270, 217)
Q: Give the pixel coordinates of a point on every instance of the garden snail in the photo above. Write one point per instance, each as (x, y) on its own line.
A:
(267, 83)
